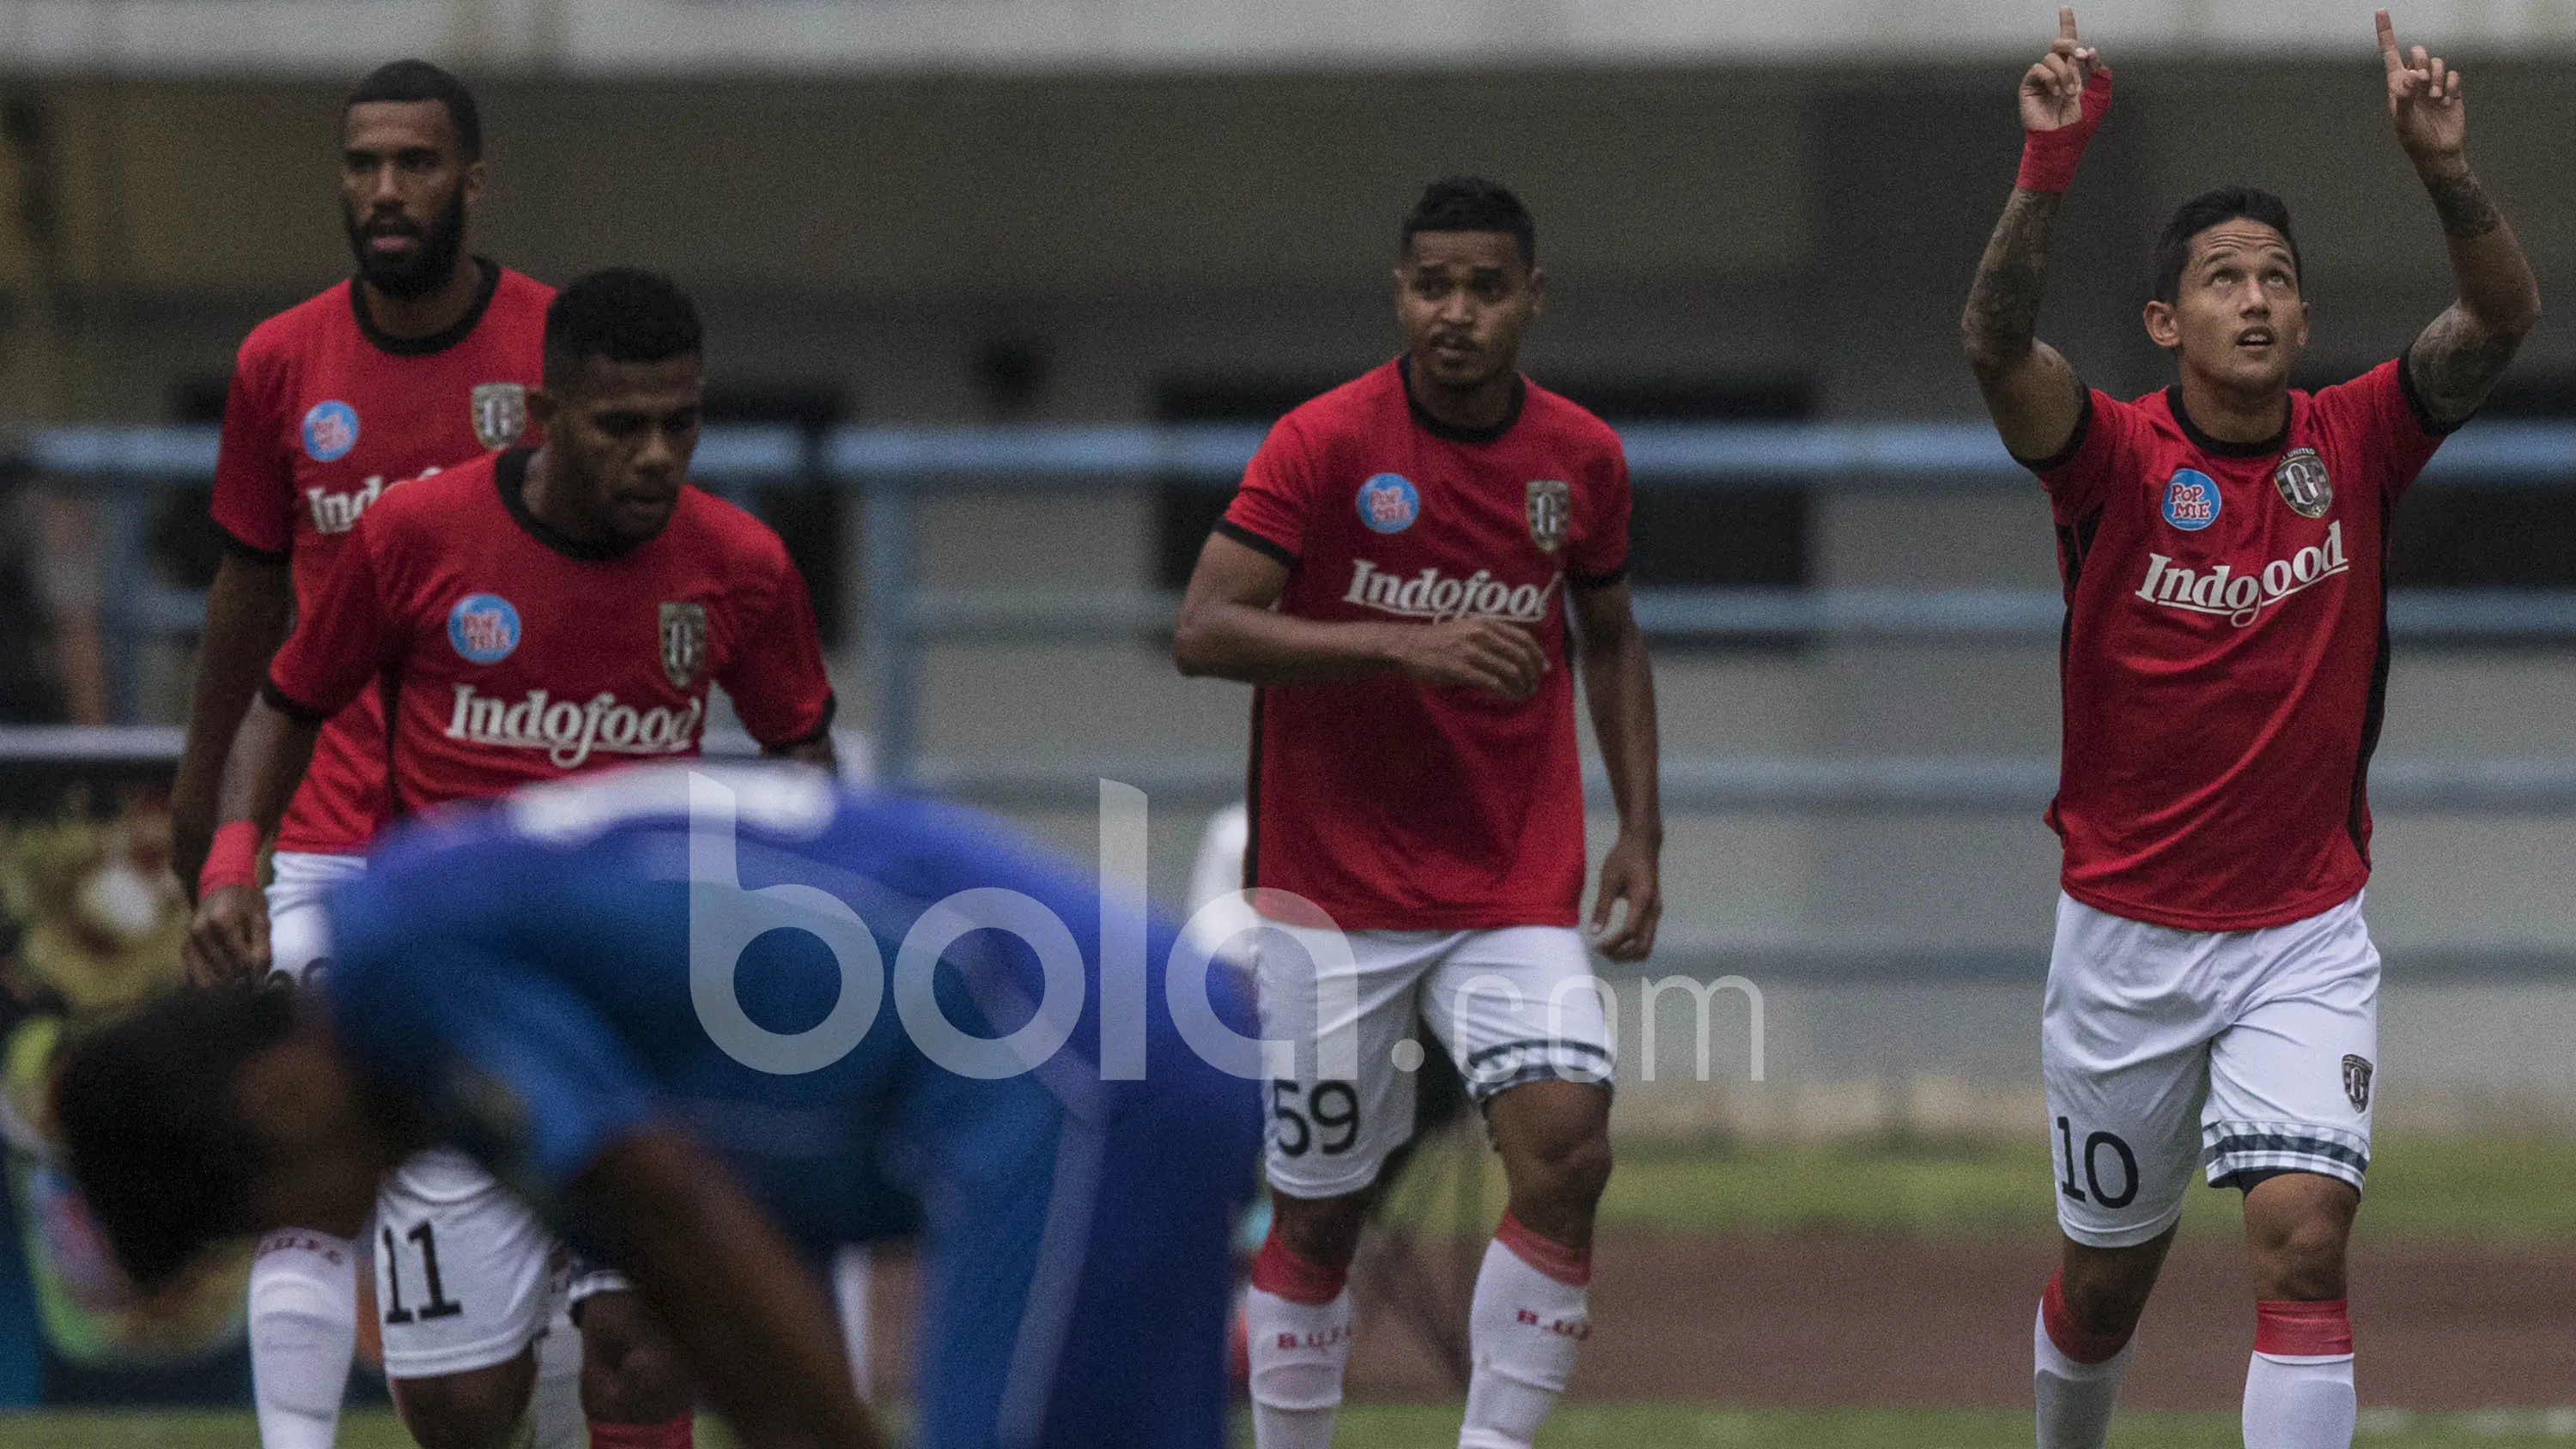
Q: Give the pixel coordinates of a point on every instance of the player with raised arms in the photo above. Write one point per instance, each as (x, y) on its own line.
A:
(534, 613)
(2213, 991)
(657, 1002)
(421, 361)
(1396, 575)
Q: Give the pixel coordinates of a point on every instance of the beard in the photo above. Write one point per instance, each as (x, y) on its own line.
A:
(424, 269)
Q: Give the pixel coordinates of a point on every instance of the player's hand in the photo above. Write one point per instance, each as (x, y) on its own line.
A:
(1629, 873)
(2052, 92)
(2424, 101)
(1479, 653)
(227, 942)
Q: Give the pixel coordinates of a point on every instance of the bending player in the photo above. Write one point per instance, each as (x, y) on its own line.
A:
(543, 611)
(423, 360)
(2224, 544)
(1395, 576)
(656, 1002)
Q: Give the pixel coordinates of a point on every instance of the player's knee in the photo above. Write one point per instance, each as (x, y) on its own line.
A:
(1324, 1231)
(2297, 1226)
(630, 1371)
(477, 1409)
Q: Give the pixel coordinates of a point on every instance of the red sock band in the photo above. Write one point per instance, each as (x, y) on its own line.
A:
(2071, 1338)
(676, 1433)
(233, 859)
(1569, 1266)
(2302, 1330)
(1278, 1271)
(2048, 157)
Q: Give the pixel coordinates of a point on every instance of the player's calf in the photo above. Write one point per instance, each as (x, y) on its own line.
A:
(2298, 1384)
(1297, 1318)
(477, 1409)
(2296, 1228)
(1532, 1308)
(634, 1389)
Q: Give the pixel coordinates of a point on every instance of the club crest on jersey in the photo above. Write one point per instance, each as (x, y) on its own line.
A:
(2191, 500)
(500, 413)
(1388, 503)
(2356, 1082)
(330, 431)
(2304, 486)
(684, 643)
(483, 627)
(1551, 508)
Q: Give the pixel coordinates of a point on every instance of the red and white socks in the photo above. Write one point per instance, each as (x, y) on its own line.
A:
(303, 1330)
(2298, 1387)
(1297, 1323)
(1531, 1313)
(2075, 1375)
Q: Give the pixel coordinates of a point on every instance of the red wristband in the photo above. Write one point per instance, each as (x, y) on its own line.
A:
(2048, 157)
(233, 859)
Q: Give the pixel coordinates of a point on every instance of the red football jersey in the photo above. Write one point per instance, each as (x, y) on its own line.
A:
(2226, 651)
(1396, 805)
(509, 653)
(324, 414)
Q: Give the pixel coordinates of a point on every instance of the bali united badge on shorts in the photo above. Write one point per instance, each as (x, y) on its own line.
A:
(500, 413)
(2309, 492)
(684, 643)
(2356, 1082)
(1551, 506)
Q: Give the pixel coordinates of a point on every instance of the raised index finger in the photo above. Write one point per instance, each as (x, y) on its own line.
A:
(2388, 55)
(2066, 22)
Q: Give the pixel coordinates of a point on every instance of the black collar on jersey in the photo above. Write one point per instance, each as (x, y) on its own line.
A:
(2261, 449)
(436, 341)
(1453, 433)
(511, 472)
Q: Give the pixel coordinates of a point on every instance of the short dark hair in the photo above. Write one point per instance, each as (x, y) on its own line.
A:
(2227, 203)
(418, 80)
(621, 314)
(1472, 203)
(149, 1129)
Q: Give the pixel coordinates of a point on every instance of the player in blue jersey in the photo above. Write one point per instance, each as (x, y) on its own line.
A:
(713, 1022)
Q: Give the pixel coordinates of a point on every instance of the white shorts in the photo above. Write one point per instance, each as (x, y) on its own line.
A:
(1513, 1005)
(298, 936)
(466, 1276)
(2250, 1052)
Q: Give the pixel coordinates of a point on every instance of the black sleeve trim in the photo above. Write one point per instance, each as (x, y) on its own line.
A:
(1618, 575)
(2074, 440)
(289, 706)
(2415, 400)
(1255, 542)
(235, 544)
(822, 727)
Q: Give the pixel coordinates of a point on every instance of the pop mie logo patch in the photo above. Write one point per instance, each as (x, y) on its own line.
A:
(2191, 500)
(483, 627)
(1388, 503)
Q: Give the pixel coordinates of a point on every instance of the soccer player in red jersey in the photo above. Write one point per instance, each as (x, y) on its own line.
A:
(534, 614)
(421, 361)
(2213, 992)
(1396, 576)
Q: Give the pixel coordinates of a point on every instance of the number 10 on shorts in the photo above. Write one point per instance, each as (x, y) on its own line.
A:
(2115, 1188)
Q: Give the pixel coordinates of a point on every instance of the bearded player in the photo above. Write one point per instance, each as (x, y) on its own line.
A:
(533, 614)
(1396, 575)
(421, 361)
(2213, 992)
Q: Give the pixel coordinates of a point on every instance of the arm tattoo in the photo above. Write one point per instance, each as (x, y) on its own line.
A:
(2003, 306)
(2463, 206)
(2456, 361)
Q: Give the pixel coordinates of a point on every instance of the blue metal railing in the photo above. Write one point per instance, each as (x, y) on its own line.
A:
(892, 468)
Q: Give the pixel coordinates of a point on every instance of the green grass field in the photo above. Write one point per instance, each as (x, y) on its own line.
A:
(1628, 1426)
(2483, 1190)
